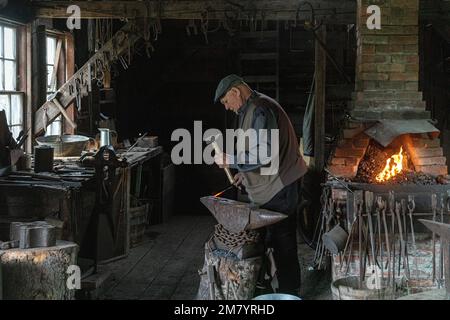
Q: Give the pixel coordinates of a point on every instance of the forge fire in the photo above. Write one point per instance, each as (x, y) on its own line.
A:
(394, 166)
(390, 165)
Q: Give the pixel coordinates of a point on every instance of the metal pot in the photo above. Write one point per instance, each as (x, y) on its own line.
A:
(65, 145)
(335, 239)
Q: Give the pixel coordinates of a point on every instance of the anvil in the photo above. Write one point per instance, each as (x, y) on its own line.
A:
(238, 216)
(443, 230)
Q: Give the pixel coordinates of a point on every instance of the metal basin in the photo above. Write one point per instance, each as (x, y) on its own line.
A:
(65, 145)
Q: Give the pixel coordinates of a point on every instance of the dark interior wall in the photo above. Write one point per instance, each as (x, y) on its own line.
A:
(175, 87)
(171, 90)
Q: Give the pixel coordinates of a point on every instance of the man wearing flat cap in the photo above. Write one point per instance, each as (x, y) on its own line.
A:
(277, 191)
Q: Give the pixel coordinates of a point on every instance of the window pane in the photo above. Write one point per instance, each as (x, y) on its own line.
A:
(10, 75)
(15, 130)
(1, 41)
(55, 128)
(10, 43)
(2, 76)
(4, 105)
(51, 50)
(49, 79)
(16, 109)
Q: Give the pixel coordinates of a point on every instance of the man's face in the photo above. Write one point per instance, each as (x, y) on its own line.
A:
(232, 100)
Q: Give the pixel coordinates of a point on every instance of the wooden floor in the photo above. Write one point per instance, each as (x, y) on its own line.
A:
(166, 265)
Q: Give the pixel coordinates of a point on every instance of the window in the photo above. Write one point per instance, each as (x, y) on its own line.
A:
(10, 98)
(55, 128)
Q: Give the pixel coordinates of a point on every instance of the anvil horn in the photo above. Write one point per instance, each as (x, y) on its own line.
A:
(442, 229)
(238, 216)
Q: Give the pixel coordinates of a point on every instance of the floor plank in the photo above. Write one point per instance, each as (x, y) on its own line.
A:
(166, 265)
(166, 282)
(170, 239)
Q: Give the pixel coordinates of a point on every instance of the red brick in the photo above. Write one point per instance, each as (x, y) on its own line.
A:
(427, 152)
(402, 58)
(367, 49)
(375, 39)
(412, 85)
(434, 170)
(377, 58)
(374, 76)
(344, 161)
(368, 67)
(404, 76)
(411, 39)
(390, 67)
(429, 161)
(349, 152)
(412, 68)
(343, 171)
(408, 48)
(424, 143)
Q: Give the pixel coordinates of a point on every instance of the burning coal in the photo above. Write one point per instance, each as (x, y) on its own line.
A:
(394, 165)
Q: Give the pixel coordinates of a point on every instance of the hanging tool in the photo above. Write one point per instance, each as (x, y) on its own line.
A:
(398, 208)
(392, 211)
(441, 252)
(433, 208)
(411, 207)
(369, 205)
(405, 230)
(359, 206)
(379, 209)
(78, 93)
(386, 235)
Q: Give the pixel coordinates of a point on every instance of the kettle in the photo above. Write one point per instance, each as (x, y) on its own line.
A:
(107, 137)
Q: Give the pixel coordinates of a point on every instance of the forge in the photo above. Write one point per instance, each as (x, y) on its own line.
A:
(386, 171)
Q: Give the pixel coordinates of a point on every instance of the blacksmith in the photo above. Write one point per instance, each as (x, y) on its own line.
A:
(277, 191)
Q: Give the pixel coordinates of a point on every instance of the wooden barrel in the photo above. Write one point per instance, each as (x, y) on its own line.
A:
(348, 289)
(38, 273)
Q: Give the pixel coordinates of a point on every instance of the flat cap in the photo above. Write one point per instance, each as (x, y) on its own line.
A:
(226, 84)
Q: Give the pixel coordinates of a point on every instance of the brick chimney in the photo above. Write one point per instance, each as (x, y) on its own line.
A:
(387, 66)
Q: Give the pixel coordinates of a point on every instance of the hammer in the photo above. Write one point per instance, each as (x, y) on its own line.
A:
(54, 99)
(213, 141)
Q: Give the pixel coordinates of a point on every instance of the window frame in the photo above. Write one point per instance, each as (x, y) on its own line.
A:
(18, 85)
(60, 75)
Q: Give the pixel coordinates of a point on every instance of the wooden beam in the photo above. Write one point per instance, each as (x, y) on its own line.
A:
(111, 51)
(343, 11)
(70, 70)
(319, 103)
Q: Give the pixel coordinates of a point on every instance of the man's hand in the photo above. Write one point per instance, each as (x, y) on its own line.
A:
(223, 160)
(238, 178)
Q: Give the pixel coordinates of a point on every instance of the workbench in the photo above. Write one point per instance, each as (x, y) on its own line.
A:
(66, 198)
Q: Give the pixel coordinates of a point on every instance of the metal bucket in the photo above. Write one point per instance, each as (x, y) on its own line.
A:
(348, 289)
(276, 296)
(335, 239)
(66, 145)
